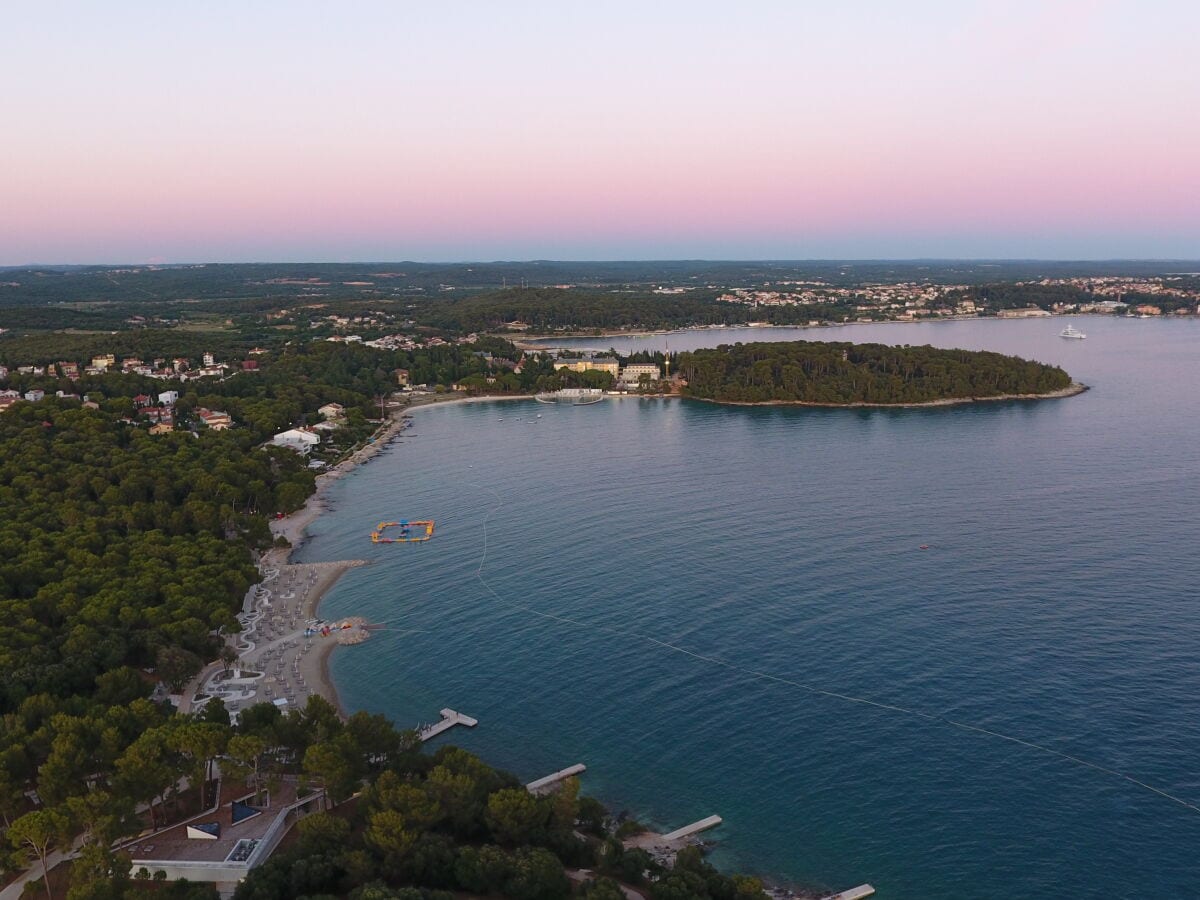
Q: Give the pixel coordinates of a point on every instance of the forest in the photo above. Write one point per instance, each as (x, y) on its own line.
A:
(842, 373)
(555, 309)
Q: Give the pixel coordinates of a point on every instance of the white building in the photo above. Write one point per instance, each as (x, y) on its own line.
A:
(634, 371)
(168, 398)
(35, 395)
(299, 439)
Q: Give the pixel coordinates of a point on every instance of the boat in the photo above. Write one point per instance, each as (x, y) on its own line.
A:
(1072, 332)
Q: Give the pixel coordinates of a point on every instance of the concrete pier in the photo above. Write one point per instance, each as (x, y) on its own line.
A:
(863, 890)
(450, 718)
(542, 784)
(695, 828)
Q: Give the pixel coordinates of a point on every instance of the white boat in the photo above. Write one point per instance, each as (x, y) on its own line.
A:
(1071, 332)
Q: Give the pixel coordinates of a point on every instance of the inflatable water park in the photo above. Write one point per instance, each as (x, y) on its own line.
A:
(407, 532)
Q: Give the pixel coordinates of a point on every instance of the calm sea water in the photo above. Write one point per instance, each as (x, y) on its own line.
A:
(1056, 604)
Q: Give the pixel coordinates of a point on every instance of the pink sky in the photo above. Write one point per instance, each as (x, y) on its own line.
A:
(538, 130)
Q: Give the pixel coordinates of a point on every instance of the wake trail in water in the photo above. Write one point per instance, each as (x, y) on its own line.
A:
(812, 689)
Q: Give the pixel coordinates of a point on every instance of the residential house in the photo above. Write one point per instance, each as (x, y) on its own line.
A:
(402, 377)
(162, 428)
(332, 410)
(215, 419)
(168, 398)
(35, 395)
(302, 440)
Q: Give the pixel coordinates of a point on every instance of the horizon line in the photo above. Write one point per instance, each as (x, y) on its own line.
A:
(539, 261)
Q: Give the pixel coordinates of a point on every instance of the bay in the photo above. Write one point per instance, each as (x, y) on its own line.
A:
(726, 610)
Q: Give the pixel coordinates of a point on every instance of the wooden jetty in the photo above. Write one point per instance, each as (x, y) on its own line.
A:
(863, 890)
(695, 828)
(450, 718)
(535, 787)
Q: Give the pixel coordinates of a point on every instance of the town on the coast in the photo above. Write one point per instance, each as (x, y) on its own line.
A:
(170, 723)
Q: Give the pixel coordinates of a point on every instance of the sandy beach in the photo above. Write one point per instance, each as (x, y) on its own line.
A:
(284, 645)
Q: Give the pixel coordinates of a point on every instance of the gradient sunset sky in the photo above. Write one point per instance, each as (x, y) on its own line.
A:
(236, 131)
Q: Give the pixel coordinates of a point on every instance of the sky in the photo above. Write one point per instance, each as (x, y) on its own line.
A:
(135, 132)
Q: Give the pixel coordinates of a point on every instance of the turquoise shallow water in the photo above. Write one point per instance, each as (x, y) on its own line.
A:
(1056, 604)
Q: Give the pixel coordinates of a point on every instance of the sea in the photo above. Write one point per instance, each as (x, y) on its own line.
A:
(951, 652)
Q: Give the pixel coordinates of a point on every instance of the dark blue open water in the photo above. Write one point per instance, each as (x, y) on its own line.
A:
(1057, 604)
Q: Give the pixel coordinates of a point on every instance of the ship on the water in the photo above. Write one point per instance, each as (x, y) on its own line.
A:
(1072, 332)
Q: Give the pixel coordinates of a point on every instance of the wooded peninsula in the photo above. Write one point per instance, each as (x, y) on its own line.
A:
(844, 374)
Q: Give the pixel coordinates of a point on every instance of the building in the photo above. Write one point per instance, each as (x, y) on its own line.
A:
(168, 398)
(103, 361)
(208, 360)
(633, 372)
(1027, 313)
(141, 401)
(215, 419)
(590, 364)
(332, 410)
(35, 395)
(162, 428)
(402, 377)
(221, 845)
(301, 440)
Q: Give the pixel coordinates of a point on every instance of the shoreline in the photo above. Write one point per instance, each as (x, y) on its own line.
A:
(531, 342)
(1074, 389)
(314, 666)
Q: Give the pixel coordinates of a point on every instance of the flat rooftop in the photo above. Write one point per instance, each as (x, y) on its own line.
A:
(174, 844)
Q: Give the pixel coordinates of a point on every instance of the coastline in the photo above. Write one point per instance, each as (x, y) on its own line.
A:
(532, 342)
(1074, 389)
(314, 666)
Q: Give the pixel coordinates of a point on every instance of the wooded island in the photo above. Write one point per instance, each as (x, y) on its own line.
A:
(844, 374)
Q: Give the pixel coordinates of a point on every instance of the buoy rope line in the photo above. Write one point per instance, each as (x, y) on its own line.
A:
(777, 679)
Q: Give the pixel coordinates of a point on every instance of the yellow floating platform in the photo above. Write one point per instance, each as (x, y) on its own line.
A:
(413, 532)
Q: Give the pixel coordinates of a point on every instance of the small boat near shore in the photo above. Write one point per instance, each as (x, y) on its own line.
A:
(1072, 333)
